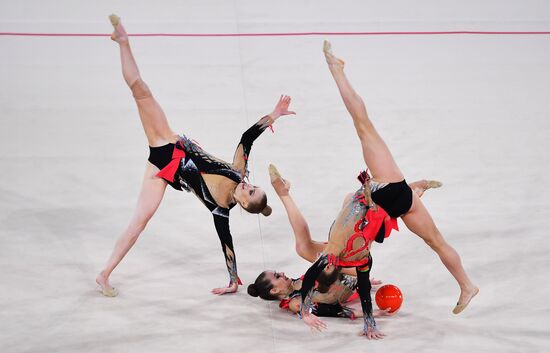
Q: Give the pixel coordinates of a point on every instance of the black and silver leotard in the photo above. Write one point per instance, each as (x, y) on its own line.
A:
(188, 176)
(329, 309)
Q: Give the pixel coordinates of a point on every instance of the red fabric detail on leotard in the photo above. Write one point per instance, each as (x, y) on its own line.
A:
(363, 176)
(338, 262)
(285, 303)
(171, 168)
(374, 219)
(238, 282)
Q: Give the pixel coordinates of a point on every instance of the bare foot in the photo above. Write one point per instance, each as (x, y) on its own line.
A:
(119, 34)
(423, 185)
(465, 297)
(280, 185)
(433, 184)
(106, 288)
(332, 60)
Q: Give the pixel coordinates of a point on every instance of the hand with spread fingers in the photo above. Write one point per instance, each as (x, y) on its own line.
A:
(314, 322)
(372, 333)
(281, 108)
(231, 288)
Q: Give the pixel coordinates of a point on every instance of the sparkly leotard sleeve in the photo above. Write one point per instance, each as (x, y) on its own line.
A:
(240, 160)
(334, 309)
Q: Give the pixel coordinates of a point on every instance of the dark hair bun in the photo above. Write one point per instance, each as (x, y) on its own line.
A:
(252, 290)
(267, 211)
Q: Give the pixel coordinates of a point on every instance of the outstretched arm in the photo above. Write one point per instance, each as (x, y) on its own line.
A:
(363, 288)
(226, 240)
(308, 284)
(240, 159)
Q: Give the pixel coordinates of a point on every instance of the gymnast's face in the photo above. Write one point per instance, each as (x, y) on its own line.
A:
(248, 194)
(279, 281)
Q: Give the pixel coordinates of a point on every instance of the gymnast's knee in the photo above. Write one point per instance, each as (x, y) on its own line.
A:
(138, 224)
(303, 250)
(140, 90)
(435, 241)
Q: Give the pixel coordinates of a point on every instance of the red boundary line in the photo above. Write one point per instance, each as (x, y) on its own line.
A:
(289, 34)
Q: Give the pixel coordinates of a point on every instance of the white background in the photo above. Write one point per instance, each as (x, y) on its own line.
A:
(471, 111)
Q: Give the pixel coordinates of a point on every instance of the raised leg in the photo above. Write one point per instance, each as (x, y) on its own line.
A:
(419, 221)
(152, 116)
(420, 186)
(384, 169)
(307, 248)
(149, 199)
(375, 152)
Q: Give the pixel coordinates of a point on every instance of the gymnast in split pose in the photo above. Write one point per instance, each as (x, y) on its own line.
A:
(330, 296)
(179, 162)
(371, 214)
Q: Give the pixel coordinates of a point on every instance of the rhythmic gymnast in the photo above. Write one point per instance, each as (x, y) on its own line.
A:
(371, 214)
(328, 298)
(333, 291)
(179, 162)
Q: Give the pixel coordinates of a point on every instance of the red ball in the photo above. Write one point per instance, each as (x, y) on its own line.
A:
(389, 296)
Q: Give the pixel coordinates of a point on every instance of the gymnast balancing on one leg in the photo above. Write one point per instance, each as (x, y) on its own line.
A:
(372, 213)
(178, 161)
(330, 296)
